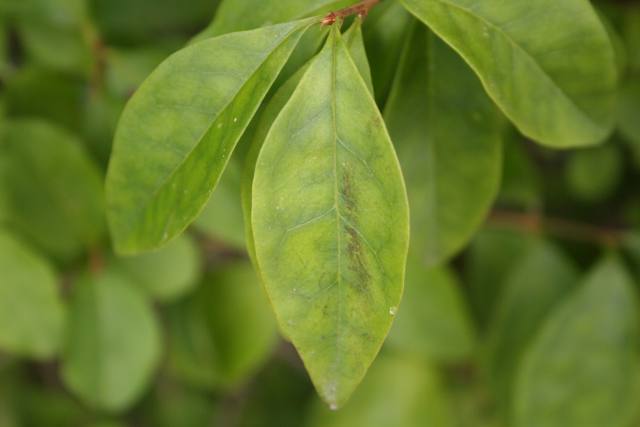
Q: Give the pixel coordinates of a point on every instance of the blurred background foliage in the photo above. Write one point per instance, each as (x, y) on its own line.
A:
(535, 323)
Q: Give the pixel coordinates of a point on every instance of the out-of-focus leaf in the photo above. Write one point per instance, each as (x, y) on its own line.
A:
(330, 196)
(127, 68)
(42, 406)
(557, 83)
(448, 135)
(221, 334)
(384, 33)
(185, 121)
(167, 273)
(582, 368)
(521, 183)
(536, 283)
(593, 174)
(31, 311)
(279, 396)
(47, 94)
(222, 217)
(113, 342)
(172, 406)
(139, 21)
(490, 258)
(101, 117)
(53, 33)
(54, 192)
(432, 320)
(628, 113)
(399, 391)
(631, 35)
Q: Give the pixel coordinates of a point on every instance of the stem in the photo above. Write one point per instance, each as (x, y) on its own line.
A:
(361, 9)
(561, 228)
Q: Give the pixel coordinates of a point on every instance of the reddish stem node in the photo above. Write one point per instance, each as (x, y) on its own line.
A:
(360, 9)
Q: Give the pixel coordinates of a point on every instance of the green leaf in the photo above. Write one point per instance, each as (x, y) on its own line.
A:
(628, 108)
(593, 174)
(521, 182)
(536, 283)
(549, 65)
(172, 406)
(400, 391)
(582, 369)
(177, 133)
(448, 135)
(31, 310)
(113, 342)
(54, 192)
(221, 334)
(354, 41)
(330, 221)
(167, 273)
(384, 34)
(222, 218)
(490, 258)
(432, 320)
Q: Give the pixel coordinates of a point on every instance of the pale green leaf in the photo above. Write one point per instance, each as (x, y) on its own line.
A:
(535, 284)
(354, 41)
(54, 192)
(177, 133)
(31, 309)
(167, 273)
(400, 391)
(330, 221)
(548, 64)
(219, 336)
(448, 136)
(582, 368)
(113, 342)
(433, 320)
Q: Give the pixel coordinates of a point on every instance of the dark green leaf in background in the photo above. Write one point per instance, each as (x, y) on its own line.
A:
(330, 222)
(113, 342)
(447, 133)
(221, 334)
(536, 282)
(548, 64)
(185, 120)
(31, 310)
(593, 174)
(582, 368)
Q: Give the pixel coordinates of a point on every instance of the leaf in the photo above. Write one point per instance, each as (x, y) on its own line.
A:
(489, 260)
(222, 217)
(53, 190)
(330, 221)
(593, 174)
(31, 310)
(400, 391)
(521, 181)
(549, 65)
(448, 136)
(384, 35)
(536, 283)
(628, 107)
(126, 22)
(582, 368)
(168, 273)
(113, 343)
(354, 41)
(220, 335)
(185, 121)
(433, 321)
(173, 405)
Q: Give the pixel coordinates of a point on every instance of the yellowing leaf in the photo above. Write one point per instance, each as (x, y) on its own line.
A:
(330, 221)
